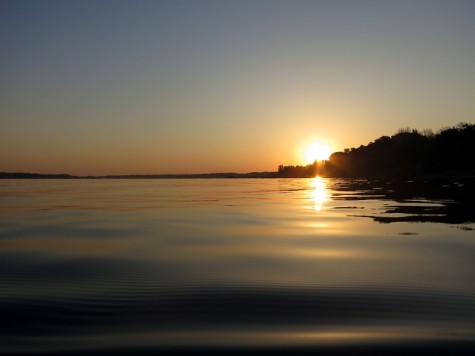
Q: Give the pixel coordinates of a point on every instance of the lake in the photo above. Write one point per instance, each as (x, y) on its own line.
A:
(109, 266)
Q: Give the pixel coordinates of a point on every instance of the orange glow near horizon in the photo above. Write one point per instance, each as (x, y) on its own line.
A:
(316, 152)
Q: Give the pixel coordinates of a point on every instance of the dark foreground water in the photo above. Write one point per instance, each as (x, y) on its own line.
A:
(110, 266)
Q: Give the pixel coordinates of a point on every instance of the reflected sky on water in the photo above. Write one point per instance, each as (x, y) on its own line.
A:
(100, 264)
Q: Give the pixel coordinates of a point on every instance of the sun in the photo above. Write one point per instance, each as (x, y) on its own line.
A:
(317, 152)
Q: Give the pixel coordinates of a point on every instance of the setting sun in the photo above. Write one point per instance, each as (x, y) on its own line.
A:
(317, 152)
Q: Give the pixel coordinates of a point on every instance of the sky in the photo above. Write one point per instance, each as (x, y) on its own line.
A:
(148, 87)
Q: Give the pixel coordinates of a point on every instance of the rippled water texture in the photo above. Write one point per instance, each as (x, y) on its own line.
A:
(147, 265)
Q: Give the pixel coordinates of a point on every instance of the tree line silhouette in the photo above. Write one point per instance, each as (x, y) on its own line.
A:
(408, 153)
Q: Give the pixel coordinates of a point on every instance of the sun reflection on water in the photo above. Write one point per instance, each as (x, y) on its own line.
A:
(319, 194)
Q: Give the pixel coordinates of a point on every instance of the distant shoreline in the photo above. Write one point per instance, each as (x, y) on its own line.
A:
(7, 175)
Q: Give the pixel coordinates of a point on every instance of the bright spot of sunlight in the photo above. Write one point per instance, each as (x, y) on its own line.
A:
(316, 152)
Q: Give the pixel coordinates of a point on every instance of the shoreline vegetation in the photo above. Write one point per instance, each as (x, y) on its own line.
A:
(409, 153)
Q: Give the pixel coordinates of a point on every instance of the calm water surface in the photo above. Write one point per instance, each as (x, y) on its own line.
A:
(110, 265)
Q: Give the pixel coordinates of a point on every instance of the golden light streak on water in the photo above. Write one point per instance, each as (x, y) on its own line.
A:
(319, 195)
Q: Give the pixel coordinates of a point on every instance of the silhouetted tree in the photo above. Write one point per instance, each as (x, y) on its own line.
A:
(406, 153)
(409, 153)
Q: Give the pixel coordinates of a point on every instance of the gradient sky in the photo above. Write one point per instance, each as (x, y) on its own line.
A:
(118, 87)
